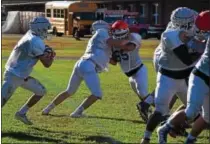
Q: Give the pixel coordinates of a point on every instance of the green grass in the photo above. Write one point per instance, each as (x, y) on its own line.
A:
(113, 119)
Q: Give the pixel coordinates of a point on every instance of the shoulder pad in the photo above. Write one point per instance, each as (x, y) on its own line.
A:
(135, 38)
(172, 39)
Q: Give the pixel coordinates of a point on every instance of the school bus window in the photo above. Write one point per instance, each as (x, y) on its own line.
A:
(48, 12)
(62, 13)
(54, 13)
(58, 13)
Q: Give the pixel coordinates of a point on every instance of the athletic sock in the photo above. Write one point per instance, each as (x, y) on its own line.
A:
(191, 137)
(24, 109)
(147, 134)
(49, 107)
(79, 109)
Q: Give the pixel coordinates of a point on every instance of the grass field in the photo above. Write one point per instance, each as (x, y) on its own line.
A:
(112, 120)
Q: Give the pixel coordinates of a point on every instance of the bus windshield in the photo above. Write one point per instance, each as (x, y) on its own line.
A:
(111, 19)
(85, 15)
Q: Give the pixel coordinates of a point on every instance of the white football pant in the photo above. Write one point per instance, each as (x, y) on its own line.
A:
(84, 70)
(11, 82)
(166, 88)
(197, 97)
(139, 82)
(156, 57)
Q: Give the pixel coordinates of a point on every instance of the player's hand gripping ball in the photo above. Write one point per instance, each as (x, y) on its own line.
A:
(49, 52)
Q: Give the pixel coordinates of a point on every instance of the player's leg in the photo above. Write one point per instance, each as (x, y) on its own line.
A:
(139, 83)
(10, 84)
(90, 76)
(173, 101)
(194, 103)
(165, 89)
(201, 123)
(74, 83)
(39, 91)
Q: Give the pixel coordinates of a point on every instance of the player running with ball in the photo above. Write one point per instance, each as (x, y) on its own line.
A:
(27, 52)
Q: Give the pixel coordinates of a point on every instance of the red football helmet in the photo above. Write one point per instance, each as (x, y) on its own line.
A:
(120, 29)
(203, 21)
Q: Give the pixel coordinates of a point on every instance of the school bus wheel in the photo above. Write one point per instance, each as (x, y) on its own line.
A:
(54, 31)
(74, 31)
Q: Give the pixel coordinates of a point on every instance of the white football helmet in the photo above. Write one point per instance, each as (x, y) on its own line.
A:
(183, 18)
(40, 26)
(100, 24)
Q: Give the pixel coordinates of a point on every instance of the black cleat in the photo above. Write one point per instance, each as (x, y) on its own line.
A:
(190, 141)
(143, 109)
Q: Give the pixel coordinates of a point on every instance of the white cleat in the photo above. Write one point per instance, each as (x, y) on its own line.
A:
(145, 141)
(162, 134)
(23, 118)
(45, 112)
(77, 115)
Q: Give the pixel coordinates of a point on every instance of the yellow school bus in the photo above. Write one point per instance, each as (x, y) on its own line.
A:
(67, 17)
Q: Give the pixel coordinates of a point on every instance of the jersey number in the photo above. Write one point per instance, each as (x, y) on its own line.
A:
(118, 55)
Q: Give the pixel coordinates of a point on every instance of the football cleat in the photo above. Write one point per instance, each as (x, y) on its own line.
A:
(23, 118)
(77, 113)
(190, 141)
(143, 109)
(145, 141)
(45, 112)
(162, 133)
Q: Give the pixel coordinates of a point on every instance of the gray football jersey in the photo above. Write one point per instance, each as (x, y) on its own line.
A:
(130, 60)
(24, 55)
(204, 63)
(98, 50)
(158, 51)
(168, 60)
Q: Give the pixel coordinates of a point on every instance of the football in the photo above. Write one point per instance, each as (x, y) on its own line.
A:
(50, 52)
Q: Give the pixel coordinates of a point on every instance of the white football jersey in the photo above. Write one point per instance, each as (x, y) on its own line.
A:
(130, 60)
(98, 50)
(204, 63)
(168, 60)
(24, 55)
(158, 50)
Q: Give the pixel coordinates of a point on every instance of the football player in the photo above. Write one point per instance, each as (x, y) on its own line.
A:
(198, 92)
(94, 60)
(27, 52)
(175, 64)
(131, 64)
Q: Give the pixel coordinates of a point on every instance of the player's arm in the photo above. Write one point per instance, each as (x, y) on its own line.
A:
(178, 43)
(114, 58)
(48, 57)
(45, 60)
(43, 52)
(129, 46)
(112, 61)
(116, 43)
(182, 53)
